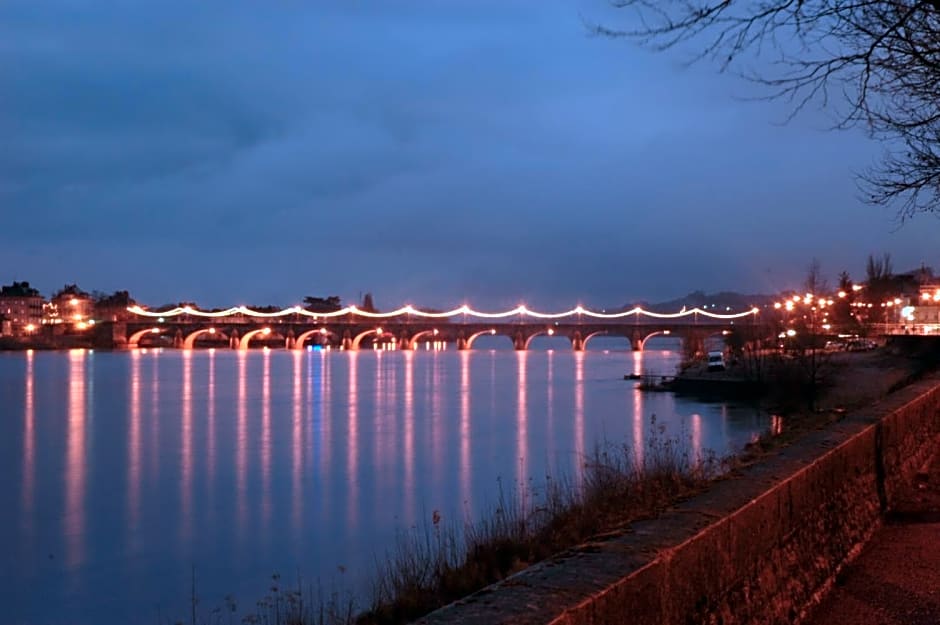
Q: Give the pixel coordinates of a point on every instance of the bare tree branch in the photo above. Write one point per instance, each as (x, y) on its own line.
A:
(880, 57)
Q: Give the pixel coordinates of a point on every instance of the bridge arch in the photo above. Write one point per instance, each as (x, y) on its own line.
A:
(584, 340)
(190, 341)
(246, 338)
(354, 345)
(300, 340)
(134, 339)
(412, 343)
(545, 332)
(652, 334)
(468, 342)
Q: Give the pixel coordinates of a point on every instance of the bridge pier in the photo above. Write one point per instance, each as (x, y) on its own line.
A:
(233, 340)
(347, 341)
(577, 342)
(289, 341)
(178, 339)
(696, 343)
(519, 342)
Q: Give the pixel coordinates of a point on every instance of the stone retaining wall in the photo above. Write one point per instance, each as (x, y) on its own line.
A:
(758, 548)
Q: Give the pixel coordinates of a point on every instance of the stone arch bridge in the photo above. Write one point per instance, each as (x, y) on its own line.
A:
(354, 334)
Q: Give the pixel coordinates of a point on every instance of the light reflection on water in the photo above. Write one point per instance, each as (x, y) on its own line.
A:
(121, 471)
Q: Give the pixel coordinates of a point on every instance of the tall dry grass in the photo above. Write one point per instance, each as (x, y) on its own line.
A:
(441, 561)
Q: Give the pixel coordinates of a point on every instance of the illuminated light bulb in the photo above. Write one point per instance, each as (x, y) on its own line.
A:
(211, 330)
(842, 293)
(492, 330)
(435, 332)
(378, 331)
(551, 331)
(266, 331)
(667, 332)
(322, 330)
(777, 305)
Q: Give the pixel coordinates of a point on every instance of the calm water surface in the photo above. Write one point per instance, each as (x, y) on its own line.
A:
(121, 471)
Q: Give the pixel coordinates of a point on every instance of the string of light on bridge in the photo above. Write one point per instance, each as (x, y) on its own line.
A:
(410, 311)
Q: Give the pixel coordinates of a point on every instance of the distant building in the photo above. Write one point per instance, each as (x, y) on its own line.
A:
(21, 307)
(70, 307)
(113, 307)
(924, 312)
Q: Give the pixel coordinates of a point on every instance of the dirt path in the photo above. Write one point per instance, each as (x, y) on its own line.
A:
(896, 580)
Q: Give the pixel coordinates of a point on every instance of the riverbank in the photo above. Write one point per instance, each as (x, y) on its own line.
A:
(827, 380)
(439, 563)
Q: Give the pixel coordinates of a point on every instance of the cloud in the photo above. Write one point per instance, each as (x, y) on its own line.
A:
(421, 150)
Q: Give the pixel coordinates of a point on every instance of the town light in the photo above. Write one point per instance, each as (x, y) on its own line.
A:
(30, 327)
(73, 302)
(777, 305)
(791, 332)
(266, 331)
(842, 294)
(211, 330)
(551, 331)
(856, 287)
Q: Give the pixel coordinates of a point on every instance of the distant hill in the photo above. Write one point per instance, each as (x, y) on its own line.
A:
(723, 301)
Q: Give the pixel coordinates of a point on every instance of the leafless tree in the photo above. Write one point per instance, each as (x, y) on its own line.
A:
(880, 58)
(815, 280)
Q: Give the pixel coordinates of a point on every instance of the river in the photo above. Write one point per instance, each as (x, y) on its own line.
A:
(122, 473)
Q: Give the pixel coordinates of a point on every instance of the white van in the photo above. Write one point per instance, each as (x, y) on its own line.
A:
(716, 361)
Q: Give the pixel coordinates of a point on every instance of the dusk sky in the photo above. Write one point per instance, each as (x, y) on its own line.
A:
(428, 152)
